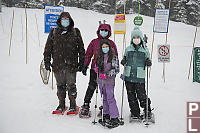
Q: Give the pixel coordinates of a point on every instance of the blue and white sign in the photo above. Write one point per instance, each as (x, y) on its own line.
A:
(161, 21)
(52, 13)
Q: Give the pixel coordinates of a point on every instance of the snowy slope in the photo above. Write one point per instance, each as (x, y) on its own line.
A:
(26, 103)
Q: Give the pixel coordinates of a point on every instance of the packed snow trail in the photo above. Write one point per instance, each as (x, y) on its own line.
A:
(26, 103)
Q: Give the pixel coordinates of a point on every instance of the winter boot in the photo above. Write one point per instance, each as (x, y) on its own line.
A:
(114, 122)
(61, 93)
(146, 114)
(135, 116)
(60, 108)
(85, 110)
(72, 99)
(106, 118)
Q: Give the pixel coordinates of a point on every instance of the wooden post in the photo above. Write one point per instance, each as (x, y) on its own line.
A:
(151, 53)
(22, 29)
(164, 78)
(0, 6)
(2, 24)
(164, 72)
(124, 45)
(124, 6)
(37, 29)
(151, 56)
(52, 80)
(195, 35)
(26, 37)
(11, 32)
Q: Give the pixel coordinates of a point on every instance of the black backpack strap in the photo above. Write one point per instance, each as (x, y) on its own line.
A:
(74, 30)
(53, 35)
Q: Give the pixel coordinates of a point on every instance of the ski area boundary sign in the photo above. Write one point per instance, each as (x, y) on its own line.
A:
(164, 53)
(161, 21)
(51, 15)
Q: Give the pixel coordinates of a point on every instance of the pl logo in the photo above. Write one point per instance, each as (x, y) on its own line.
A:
(193, 117)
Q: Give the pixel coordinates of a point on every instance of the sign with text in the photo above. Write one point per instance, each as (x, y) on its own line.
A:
(164, 53)
(138, 20)
(193, 117)
(196, 65)
(161, 21)
(120, 24)
(52, 13)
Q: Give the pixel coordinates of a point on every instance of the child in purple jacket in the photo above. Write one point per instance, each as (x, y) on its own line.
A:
(103, 32)
(107, 66)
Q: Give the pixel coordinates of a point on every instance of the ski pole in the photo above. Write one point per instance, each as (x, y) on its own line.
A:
(147, 102)
(122, 95)
(94, 122)
(102, 100)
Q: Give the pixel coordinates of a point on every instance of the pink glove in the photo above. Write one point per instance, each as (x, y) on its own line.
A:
(103, 76)
(97, 70)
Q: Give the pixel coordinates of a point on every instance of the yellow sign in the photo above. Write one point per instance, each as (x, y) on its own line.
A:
(120, 24)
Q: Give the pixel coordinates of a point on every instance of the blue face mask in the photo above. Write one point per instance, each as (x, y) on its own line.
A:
(65, 22)
(105, 50)
(103, 33)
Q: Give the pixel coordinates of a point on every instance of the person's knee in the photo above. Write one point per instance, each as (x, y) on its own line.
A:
(92, 85)
(61, 89)
(72, 90)
(131, 95)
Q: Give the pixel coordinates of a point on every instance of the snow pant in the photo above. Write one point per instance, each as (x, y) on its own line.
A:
(109, 102)
(66, 81)
(135, 92)
(91, 86)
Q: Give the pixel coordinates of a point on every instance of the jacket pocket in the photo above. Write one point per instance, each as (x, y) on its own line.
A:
(127, 71)
(140, 72)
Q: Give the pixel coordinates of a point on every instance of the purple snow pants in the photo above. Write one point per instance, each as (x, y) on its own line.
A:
(109, 102)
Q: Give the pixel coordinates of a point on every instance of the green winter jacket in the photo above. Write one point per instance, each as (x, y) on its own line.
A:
(135, 66)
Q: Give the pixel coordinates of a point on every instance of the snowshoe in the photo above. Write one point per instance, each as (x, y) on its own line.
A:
(148, 119)
(134, 119)
(60, 110)
(101, 122)
(114, 122)
(44, 73)
(73, 111)
(106, 118)
(85, 111)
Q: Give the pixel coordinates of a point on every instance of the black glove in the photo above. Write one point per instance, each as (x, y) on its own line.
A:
(124, 61)
(148, 62)
(84, 70)
(145, 38)
(47, 65)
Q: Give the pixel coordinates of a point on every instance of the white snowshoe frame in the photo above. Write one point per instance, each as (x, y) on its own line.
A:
(45, 74)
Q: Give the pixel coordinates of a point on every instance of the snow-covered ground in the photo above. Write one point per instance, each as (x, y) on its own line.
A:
(26, 103)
